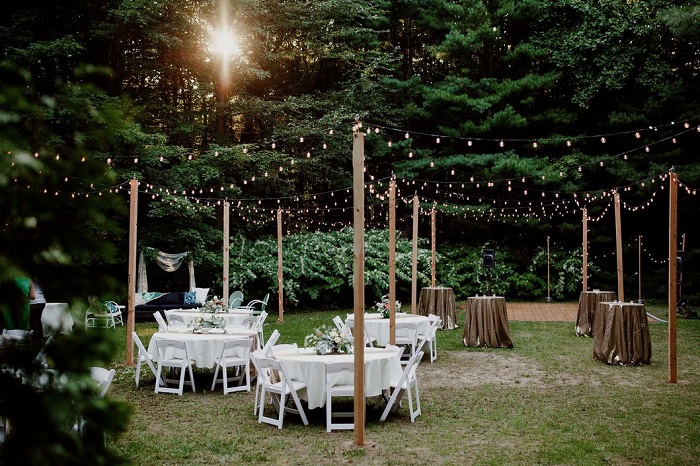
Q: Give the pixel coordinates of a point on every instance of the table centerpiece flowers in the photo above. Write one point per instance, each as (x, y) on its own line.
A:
(325, 339)
(215, 306)
(384, 306)
(206, 324)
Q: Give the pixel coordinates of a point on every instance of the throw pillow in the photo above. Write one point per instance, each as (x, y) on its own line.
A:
(190, 297)
(201, 295)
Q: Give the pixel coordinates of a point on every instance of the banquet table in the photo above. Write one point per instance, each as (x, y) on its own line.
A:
(231, 317)
(381, 367)
(56, 319)
(440, 301)
(486, 322)
(587, 303)
(378, 327)
(621, 334)
(203, 348)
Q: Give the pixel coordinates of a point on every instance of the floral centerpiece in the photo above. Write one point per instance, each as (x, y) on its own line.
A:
(215, 306)
(204, 324)
(326, 339)
(384, 306)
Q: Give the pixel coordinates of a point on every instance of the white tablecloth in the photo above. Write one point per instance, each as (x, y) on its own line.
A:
(231, 318)
(204, 348)
(378, 326)
(381, 367)
(56, 319)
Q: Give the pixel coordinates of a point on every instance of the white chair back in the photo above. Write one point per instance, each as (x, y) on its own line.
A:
(162, 326)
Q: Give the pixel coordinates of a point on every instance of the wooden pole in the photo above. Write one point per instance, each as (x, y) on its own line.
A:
(227, 252)
(639, 268)
(618, 242)
(131, 299)
(358, 187)
(392, 262)
(549, 298)
(585, 249)
(672, 276)
(280, 276)
(414, 259)
(432, 240)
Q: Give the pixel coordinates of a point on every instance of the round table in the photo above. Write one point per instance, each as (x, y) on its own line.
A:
(587, 303)
(486, 322)
(439, 300)
(381, 367)
(378, 327)
(621, 334)
(204, 348)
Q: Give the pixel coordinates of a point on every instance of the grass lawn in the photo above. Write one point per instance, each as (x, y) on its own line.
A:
(545, 401)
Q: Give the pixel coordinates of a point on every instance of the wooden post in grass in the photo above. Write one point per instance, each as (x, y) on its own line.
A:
(130, 302)
(432, 240)
(672, 276)
(358, 194)
(392, 262)
(280, 281)
(618, 253)
(414, 258)
(227, 212)
(585, 249)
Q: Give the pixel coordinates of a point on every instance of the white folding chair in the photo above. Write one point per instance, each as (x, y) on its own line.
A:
(407, 334)
(174, 320)
(370, 340)
(284, 348)
(235, 355)
(173, 353)
(334, 371)
(254, 356)
(408, 383)
(430, 337)
(399, 349)
(162, 326)
(102, 378)
(258, 327)
(267, 349)
(143, 356)
(279, 389)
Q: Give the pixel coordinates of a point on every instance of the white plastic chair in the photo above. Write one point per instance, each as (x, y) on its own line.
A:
(408, 383)
(279, 389)
(162, 326)
(143, 356)
(370, 340)
(407, 334)
(399, 349)
(267, 349)
(174, 320)
(102, 379)
(173, 353)
(235, 355)
(334, 389)
(430, 337)
(258, 327)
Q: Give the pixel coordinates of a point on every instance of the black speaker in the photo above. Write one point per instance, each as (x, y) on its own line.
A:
(488, 257)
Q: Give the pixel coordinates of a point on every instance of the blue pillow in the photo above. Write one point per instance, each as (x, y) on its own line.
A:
(190, 297)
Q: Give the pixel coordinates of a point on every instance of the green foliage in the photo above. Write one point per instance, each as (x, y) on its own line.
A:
(318, 267)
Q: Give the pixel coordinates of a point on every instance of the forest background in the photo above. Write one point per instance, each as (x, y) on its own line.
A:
(506, 117)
